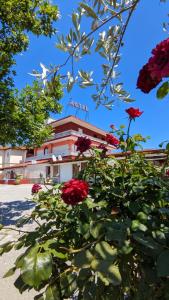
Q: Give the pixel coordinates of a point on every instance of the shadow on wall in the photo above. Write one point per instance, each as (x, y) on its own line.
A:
(11, 212)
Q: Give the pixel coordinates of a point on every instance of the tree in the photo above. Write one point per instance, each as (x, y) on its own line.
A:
(21, 123)
(107, 24)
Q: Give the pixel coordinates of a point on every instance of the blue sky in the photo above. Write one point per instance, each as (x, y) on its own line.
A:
(144, 32)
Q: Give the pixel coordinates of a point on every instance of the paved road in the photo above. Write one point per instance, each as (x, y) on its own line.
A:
(14, 202)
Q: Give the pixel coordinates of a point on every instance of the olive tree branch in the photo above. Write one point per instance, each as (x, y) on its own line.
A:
(91, 32)
(119, 46)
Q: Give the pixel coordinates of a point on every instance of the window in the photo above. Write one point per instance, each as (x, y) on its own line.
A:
(80, 130)
(46, 150)
(48, 172)
(56, 171)
(76, 169)
(30, 152)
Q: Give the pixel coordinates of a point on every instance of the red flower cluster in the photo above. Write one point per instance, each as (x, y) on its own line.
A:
(83, 144)
(74, 191)
(36, 188)
(156, 69)
(145, 82)
(134, 112)
(112, 140)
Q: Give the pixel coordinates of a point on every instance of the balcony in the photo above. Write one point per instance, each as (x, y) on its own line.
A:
(47, 156)
(77, 134)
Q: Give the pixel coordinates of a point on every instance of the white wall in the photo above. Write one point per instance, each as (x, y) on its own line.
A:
(16, 158)
(65, 172)
(12, 156)
(33, 171)
(7, 154)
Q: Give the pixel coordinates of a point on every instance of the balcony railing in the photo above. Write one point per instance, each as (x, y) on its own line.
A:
(76, 133)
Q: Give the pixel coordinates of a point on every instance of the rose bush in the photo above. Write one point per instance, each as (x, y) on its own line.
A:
(103, 235)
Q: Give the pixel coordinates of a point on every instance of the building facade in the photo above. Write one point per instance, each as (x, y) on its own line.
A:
(57, 159)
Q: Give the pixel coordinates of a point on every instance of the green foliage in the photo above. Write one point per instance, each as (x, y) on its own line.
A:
(24, 114)
(163, 90)
(107, 23)
(17, 19)
(37, 267)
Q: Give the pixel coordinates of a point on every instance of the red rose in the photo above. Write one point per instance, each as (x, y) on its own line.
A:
(156, 69)
(74, 191)
(159, 62)
(134, 112)
(83, 144)
(111, 139)
(36, 188)
(145, 82)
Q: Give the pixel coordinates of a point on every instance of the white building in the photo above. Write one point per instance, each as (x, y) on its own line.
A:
(56, 159)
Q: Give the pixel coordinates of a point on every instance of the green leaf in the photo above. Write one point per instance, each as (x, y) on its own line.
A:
(136, 225)
(163, 90)
(10, 272)
(68, 285)
(152, 246)
(163, 264)
(6, 247)
(39, 297)
(114, 3)
(126, 249)
(115, 232)
(52, 293)
(108, 270)
(105, 251)
(36, 267)
(92, 204)
(20, 284)
(83, 259)
(96, 229)
(50, 246)
(90, 12)
(75, 20)
(89, 292)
